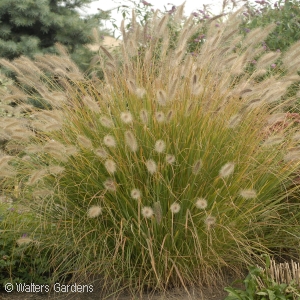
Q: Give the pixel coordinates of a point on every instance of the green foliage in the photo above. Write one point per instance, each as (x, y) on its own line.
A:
(19, 262)
(33, 27)
(286, 15)
(260, 286)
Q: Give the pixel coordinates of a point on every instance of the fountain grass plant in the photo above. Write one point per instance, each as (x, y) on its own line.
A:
(169, 173)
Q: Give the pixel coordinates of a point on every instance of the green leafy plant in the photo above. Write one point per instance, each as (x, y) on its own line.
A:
(19, 262)
(259, 285)
(286, 16)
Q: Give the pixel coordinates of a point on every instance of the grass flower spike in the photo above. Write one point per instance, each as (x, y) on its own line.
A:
(201, 203)
(109, 141)
(227, 170)
(151, 166)
(135, 194)
(175, 208)
(160, 146)
(94, 211)
(147, 212)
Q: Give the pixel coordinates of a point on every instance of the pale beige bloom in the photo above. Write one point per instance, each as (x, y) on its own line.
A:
(110, 185)
(273, 140)
(169, 115)
(55, 170)
(140, 92)
(209, 221)
(36, 176)
(227, 170)
(91, 103)
(110, 166)
(131, 141)
(94, 211)
(126, 117)
(109, 141)
(4, 160)
(101, 152)
(292, 155)
(160, 146)
(151, 166)
(147, 212)
(161, 97)
(234, 121)
(144, 116)
(248, 194)
(157, 210)
(135, 194)
(106, 122)
(33, 149)
(201, 203)
(175, 208)
(84, 142)
(197, 166)
(170, 159)
(160, 116)
(24, 241)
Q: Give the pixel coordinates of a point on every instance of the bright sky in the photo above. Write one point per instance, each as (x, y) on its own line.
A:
(190, 6)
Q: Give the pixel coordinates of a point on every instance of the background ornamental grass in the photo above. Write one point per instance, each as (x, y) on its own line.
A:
(169, 172)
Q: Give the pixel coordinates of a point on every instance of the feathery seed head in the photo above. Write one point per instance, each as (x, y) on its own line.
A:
(248, 194)
(101, 152)
(135, 194)
(84, 142)
(42, 193)
(201, 203)
(56, 170)
(36, 176)
(169, 115)
(4, 160)
(147, 212)
(126, 117)
(292, 155)
(273, 140)
(189, 108)
(209, 221)
(71, 150)
(197, 166)
(94, 211)
(91, 103)
(109, 141)
(144, 116)
(160, 146)
(234, 121)
(140, 92)
(110, 185)
(161, 97)
(175, 208)
(157, 210)
(130, 141)
(110, 166)
(160, 116)
(274, 118)
(296, 136)
(227, 170)
(23, 241)
(106, 122)
(170, 159)
(151, 166)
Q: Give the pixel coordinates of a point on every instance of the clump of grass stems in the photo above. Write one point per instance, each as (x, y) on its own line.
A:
(160, 176)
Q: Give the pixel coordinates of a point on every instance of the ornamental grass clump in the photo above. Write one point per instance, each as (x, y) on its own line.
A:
(172, 186)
